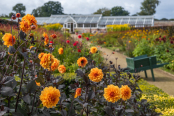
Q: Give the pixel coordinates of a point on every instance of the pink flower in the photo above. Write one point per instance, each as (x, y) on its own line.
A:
(87, 39)
(79, 50)
(67, 41)
(79, 36)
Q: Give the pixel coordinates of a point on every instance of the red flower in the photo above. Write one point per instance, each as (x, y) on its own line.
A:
(167, 51)
(77, 46)
(87, 39)
(74, 44)
(79, 36)
(79, 50)
(171, 42)
(67, 41)
(53, 35)
(51, 42)
(18, 15)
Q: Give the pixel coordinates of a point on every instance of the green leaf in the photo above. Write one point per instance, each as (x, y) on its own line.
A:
(31, 86)
(108, 110)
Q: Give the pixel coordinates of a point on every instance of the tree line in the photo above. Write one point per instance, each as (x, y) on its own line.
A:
(54, 7)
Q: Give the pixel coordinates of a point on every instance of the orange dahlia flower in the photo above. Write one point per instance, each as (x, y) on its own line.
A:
(54, 36)
(18, 15)
(112, 93)
(55, 64)
(37, 83)
(40, 55)
(31, 47)
(8, 39)
(125, 92)
(24, 26)
(62, 69)
(50, 96)
(78, 92)
(46, 61)
(93, 50)
(30, 19)
(96, 75)
(82, 61)
(46, 40)
(60, 50)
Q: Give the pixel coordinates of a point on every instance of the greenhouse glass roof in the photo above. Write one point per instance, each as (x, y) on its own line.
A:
(96, 19)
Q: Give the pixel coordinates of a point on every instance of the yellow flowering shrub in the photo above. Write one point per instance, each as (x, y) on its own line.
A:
(55, 27)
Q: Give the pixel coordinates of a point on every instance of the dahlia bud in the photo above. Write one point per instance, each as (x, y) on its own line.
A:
(31, 35)
(50, 46)
(54, 36)
(33, 27)
(18, 15)
(31, 61)
(13, 17)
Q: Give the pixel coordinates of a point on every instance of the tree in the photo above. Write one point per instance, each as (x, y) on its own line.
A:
(47, 9)
(10, 14)
(148, 7)
(104, 11)
(119, 11)
(164, 19)
(19, 8)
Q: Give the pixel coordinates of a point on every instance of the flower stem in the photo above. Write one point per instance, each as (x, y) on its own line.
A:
(20, 86)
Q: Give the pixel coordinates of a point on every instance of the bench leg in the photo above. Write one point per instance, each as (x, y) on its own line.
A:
(145, 73)
(152, 75)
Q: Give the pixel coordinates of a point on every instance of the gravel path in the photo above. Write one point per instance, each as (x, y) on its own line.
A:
(163, 80)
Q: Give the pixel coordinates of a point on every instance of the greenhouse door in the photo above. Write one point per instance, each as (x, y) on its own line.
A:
(72, 30)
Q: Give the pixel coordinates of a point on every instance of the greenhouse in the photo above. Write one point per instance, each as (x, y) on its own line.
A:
(95, 21)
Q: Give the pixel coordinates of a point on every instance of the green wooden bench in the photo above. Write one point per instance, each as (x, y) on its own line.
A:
(142, 63)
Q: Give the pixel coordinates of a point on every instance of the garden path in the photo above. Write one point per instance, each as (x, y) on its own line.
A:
(164, 80)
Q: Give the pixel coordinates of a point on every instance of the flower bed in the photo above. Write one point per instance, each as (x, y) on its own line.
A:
(30, 85)
(156, 97)
(140, 42)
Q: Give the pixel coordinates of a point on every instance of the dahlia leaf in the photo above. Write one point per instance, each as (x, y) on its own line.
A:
(27, 99)
(6, 91)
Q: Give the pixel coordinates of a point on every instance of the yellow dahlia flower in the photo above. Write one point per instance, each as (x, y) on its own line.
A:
(24, 26)
(125, 92)
(112, 93)
(62, 69)
(96, 75)
(46, 61)
(60, 50)
(82, 61)
(93, 50)
(8, 41)
(30, 19)
(50, 96)
(55, 64)
(40, 55)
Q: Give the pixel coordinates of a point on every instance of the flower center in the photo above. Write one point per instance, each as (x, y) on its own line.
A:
(112, 94)
(96, 74)
(82, 61)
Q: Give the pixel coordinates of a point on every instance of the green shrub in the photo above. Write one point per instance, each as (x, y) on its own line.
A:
(143, 48)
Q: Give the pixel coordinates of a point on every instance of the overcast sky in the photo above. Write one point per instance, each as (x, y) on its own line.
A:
(165, 8)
